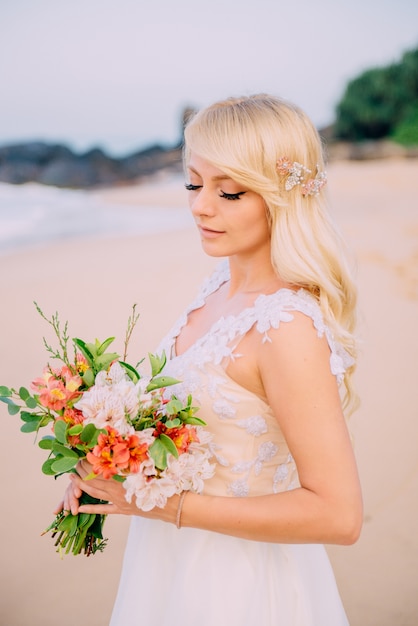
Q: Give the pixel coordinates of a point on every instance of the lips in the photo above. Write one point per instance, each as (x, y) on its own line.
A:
(209, 233)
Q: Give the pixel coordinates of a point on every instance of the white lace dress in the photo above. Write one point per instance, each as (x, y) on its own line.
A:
(191, 577)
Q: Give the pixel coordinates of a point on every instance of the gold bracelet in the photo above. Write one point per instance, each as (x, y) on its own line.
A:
(179, 509)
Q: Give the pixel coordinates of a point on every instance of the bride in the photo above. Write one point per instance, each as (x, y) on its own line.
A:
(267, 350)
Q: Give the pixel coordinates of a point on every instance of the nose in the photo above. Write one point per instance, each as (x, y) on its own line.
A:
(202, 203)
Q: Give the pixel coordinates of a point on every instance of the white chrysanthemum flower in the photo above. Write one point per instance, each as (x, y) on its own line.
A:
(149, 493)
(111, 400)
(190, 470)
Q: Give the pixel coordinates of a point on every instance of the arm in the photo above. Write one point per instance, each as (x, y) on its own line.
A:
(295, 374)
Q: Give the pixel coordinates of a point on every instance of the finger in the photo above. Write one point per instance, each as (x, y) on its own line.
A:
(88, 486)
(59, 508)
(98, 509)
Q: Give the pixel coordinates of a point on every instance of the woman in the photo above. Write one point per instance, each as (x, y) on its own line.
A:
(264, 350)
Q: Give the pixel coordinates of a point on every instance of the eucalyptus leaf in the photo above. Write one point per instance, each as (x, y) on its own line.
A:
(29, 427)
(175, 423)
(24, 393)
(13, 409)
(59, 449)
(46, 443)
(60, 430)
(75, 430)
(47, 467)
(5, 391)
(88, 433)
(31, 403)
(63, 464)
(30, 417)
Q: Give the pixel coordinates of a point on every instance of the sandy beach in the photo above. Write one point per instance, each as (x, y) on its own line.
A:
(93, 284)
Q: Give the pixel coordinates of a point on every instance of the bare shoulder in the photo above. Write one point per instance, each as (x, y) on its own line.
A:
(295, 341)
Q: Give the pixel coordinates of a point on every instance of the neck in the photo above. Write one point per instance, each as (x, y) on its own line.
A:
(254, 275)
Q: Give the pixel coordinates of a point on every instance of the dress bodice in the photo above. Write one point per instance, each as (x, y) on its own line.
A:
(251, 453)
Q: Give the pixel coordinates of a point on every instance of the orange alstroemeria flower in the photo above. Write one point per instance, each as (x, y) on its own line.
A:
(183, 437)
(138, 453)
(110, 455)
(57, 388)
(73, 417)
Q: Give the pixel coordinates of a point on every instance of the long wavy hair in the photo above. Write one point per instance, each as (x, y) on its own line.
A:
(245, 137)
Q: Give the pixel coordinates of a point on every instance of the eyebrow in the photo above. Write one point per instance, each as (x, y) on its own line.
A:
(214, 178)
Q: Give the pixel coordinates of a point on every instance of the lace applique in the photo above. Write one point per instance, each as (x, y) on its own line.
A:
(268, 311)
(223, 409)
(240, 487)
(254, 425)
(266, 452)
(282, 474)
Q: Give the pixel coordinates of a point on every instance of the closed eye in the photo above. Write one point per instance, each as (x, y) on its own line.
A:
(191, 187)
(232, 196)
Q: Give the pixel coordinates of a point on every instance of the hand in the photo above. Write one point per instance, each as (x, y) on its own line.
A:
(69, 504)
(114, 493)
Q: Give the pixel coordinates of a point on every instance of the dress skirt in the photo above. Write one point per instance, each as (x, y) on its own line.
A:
(190, 577)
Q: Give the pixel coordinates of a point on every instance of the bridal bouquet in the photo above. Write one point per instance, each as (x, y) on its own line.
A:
(126, 425)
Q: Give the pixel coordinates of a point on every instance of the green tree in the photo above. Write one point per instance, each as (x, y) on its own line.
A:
(379, 101)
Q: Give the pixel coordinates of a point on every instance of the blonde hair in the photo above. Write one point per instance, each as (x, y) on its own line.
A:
(244, 137)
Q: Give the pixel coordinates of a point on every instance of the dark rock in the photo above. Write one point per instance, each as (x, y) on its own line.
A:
(58, 165)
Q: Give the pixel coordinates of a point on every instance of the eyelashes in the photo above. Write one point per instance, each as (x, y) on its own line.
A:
(232, 196)
(223, 194)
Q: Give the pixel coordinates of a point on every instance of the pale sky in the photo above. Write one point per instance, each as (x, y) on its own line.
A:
(118, 73)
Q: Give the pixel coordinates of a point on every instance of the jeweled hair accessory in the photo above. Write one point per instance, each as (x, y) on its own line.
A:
(298, 174)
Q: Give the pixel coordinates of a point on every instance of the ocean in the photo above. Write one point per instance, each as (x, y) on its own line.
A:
(32, 215)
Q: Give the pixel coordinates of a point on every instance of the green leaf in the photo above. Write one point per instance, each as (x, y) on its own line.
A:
(174, 406)
(161, 381)
(46, 443)
(24, 393)
(103, 361)
(175, 423)
(60, 430)
(88, 433)
(82, 346)
(169, 445)
(76, 429)
(63, 464)
(29, 427)
(119, 479)
(5, 391)
(59, 449)
(31, 403)
(104, 346)
(88, 377)
(158, 452)
(157, 362)
(13, 409)
(194, 421)
(131, 371)
(7, 400)
(30, 417)
(47, 467)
